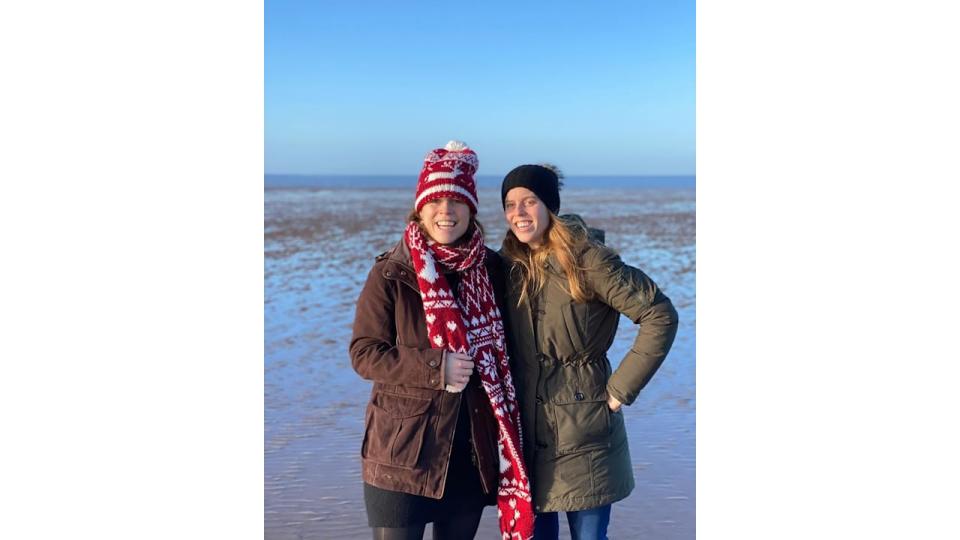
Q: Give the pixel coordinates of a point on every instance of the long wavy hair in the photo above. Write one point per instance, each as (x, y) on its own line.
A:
(565, 240)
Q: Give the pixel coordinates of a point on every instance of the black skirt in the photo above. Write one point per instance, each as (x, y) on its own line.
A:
(462, 494)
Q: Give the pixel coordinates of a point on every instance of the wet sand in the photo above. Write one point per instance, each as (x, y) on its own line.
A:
(319, 246)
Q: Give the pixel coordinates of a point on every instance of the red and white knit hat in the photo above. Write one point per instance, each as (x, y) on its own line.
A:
(448, 172)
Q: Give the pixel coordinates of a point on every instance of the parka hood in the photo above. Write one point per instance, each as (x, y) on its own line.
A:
(597, 235)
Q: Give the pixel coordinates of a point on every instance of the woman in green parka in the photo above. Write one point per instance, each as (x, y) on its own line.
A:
(566, 296)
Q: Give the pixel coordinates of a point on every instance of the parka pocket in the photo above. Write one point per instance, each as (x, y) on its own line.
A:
(576, 330)
(582, 420)
(396, 429)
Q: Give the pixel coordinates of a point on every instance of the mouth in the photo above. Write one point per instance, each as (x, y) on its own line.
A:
(523, 225)
(445, 224)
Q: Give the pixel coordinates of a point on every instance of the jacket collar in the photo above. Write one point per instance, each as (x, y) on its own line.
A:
(399, 265)
(596, 236)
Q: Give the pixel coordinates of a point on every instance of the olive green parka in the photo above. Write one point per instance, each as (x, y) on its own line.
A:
(575, 447)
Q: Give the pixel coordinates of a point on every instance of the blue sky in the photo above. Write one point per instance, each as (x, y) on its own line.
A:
(357, 87)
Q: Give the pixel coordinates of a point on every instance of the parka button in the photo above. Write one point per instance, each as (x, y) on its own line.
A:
(433, 363)
(434, 381)
(578, 396)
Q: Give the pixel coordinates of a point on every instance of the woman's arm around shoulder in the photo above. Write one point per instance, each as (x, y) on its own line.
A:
(631, 292)
(374, 351)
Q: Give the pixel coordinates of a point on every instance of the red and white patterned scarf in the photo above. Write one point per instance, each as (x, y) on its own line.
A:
(471, 324)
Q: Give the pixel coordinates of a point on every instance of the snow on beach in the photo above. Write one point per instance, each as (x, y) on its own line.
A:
(319, 245)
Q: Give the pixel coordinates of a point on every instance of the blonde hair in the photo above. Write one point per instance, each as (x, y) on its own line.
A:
(562, 239)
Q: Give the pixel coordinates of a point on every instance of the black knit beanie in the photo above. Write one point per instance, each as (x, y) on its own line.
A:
(537, 179)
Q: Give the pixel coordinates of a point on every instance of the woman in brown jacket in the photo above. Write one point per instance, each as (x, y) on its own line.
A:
(442, 435)
(567, 294)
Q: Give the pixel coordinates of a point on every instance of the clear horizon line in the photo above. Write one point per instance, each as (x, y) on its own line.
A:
(568, 175)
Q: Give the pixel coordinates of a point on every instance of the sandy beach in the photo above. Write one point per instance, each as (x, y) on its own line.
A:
(319, 245)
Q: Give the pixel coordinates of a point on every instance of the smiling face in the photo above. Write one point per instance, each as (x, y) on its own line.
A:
(526, 215)
(445, 220)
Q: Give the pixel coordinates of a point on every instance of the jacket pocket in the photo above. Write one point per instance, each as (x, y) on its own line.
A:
(582, 420)
(396, 429)
(574, 329)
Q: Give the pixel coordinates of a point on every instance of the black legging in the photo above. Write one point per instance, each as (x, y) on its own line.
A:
(458, 527)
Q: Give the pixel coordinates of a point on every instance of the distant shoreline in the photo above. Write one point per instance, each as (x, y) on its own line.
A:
(292, 181)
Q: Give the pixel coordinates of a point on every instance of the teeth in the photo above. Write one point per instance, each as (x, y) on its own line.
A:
(446, 223)
(523, 224)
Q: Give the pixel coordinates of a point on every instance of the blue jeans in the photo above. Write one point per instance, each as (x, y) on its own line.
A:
(590, 524)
